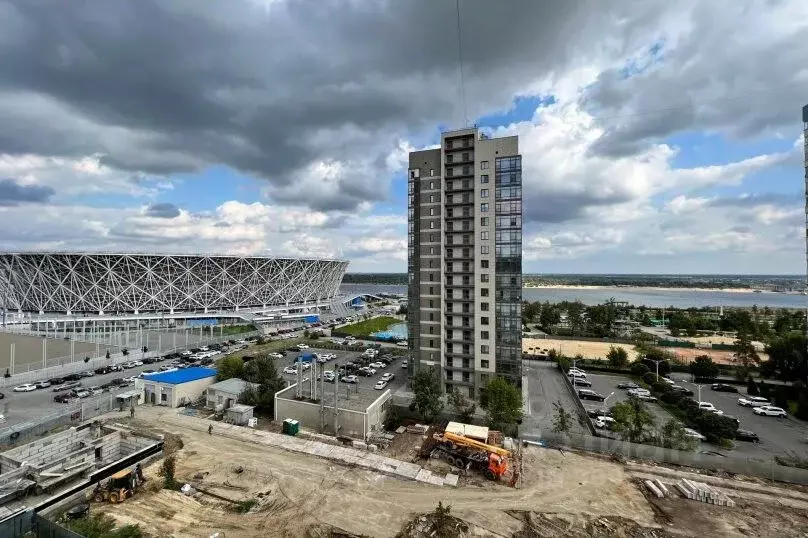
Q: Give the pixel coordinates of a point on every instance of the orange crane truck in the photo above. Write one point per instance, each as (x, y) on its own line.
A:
(467, 453)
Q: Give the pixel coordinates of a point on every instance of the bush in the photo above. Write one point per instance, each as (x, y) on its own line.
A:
(124, 352)
(639, 369)
(86, 359)
(660, 387)
(671, 397)
(649, 378)
(167, 472)
(751, 387)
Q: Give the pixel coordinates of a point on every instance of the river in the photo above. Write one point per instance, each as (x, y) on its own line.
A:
(653, 297)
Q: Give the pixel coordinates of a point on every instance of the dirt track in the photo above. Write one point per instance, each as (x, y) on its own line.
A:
(300, 492)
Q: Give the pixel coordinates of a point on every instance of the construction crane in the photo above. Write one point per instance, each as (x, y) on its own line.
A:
(466, 453)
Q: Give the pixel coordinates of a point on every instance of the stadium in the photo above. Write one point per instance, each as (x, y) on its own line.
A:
(48, 284)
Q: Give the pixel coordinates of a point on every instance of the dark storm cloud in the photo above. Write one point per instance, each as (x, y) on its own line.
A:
(162, 210)
(733, 71)
(175, 86)
(12, 193)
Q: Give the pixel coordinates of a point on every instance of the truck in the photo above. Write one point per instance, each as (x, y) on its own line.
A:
(467, 454)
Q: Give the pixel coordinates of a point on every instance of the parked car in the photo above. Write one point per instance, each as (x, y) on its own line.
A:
(603, 422)
(130, 379)
(689, 432)
(581, 382)
(290, 370)
(747, 435)
(763, 410)
(707, 406)
(88, 373)
(56, 381)
(402, 343)
(576, 374)
(276, 355)
(380, 385)
(404, 364)
(668, 380)
(647, 398)
(72, 377)
(103, 370)
(388, 376)
(95, 390)
(378, 365)
(586, 394)
(682, 390)
(349, 379)
(302, 346)
(721, 387)
(129, 365)
(25, 387)
(329, 376)
(63, 398)
(118, 381)
(138, 363)
(627, 385)
(753, 401)
(42, 384)
(83, 393)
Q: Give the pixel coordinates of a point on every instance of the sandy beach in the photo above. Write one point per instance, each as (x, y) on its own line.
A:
(653, 288)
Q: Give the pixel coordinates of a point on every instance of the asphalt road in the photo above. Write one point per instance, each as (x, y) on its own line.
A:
(783, 437)
(545, 385)
(21, 407)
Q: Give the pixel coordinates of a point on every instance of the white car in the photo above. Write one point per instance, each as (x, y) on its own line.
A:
(204, 348)
(707, 406)
(753, 401)
(302, 346)
(290, 370)
(328, 375)
(639, 392)
(379, 365)
(83, 393)
(388, 376)
(349, 379)
(138, 363)
(689, 432)
(668, 381)
(763, 410)
(95, 390)
(130, 379)
(604, 422)
(576, 375)
(276, 355)
(574, 369)
(380, 385)
(402, 343)
(25, 387)
(350, 338)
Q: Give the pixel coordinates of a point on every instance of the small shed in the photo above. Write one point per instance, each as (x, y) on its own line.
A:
(239, 414)
(226, 393)
(306, 356)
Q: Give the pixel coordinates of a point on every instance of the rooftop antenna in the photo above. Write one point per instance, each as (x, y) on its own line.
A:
(460, 59)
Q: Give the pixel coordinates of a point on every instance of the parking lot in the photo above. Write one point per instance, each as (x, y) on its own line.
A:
(360, 394)
(545, 385)
(783, 437)
(778, 436)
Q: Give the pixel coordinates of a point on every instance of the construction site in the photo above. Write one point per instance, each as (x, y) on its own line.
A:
(258, 482)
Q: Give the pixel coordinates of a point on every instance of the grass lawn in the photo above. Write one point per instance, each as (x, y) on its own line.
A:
(367, 327)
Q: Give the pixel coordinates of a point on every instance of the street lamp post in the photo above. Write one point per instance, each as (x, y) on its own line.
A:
(656, 362)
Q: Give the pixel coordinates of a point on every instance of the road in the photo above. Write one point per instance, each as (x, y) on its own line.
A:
(545, 385)
(21, 407)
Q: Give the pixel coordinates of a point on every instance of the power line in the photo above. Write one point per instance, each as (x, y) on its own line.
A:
(460, 58)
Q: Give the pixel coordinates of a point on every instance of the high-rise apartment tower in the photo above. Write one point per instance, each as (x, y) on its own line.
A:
(465, 260)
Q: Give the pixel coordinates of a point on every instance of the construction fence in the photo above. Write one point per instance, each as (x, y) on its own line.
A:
(697, 460)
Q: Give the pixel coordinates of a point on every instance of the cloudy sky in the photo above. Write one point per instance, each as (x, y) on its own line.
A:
(657, 136)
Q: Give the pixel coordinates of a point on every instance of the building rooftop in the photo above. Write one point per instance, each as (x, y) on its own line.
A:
(234, 385)
(182, 376)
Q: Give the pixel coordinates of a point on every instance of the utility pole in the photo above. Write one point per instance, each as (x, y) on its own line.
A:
(322, 400)
(336, 406)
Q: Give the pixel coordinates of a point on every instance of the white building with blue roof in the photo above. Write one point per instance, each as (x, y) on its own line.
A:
(175, 388)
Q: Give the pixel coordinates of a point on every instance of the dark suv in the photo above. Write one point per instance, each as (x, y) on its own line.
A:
(720, 387)
(586, 394)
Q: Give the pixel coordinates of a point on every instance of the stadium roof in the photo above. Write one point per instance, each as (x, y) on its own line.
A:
(197, 254)
(185, 375)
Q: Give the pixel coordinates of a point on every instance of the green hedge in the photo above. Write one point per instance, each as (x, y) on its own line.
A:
(367, 327)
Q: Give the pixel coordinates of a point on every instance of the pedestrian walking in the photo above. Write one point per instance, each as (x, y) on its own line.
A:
(132, 412)
(210, 429)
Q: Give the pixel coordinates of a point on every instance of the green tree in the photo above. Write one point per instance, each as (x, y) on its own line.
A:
(575, 312)
(230, 367)
(562, 420)
(618, 356)
(263, 372)
(703, 367)
(550, 315)
(787, 358)
(100, 525)
(639, 369)
(530, 311)
(632, 419)
(751, 387)
(503, 402)
(674, 436)
(426, 388)
(746, 355)
(461, 405)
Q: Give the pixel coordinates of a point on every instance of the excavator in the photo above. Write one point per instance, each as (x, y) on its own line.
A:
(120, 486)
(467, 453)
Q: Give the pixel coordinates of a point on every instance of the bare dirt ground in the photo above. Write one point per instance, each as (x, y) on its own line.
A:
(562, 494)
(297, 493)
(598, 350)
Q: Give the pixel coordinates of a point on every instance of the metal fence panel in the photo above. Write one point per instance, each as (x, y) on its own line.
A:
(45, 528)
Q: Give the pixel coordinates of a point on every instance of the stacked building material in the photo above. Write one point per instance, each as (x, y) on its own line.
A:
(699, 491)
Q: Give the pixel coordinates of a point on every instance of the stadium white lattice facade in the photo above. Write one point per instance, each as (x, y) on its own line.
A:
(106, 283)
